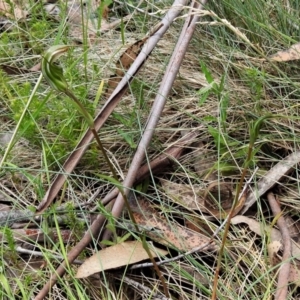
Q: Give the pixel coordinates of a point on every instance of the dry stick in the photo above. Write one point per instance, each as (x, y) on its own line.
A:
(157, 108)
(163, 92)
(284, 272)
(142, 289)
(72, 255)
(272, 177)
(202, 247)
(41, 254)
(110, 105)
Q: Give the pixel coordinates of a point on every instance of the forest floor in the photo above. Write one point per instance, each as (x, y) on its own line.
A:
(231, 117)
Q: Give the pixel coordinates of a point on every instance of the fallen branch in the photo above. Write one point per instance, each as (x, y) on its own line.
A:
(158, 105)
(272, 177)
(284, 270)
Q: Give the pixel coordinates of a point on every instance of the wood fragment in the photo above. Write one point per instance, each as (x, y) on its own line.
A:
(284, 270)
(293, 53)
(271, 178)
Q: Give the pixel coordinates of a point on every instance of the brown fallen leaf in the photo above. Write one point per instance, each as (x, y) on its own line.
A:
(123, 64)
(273, 249)
(185, 195)
(262, 230)
(293, 53)
(294, 275)
(274, 246)
(166, 232)
(216, 199)
(275, 260)
(11, 70)
(116, 256)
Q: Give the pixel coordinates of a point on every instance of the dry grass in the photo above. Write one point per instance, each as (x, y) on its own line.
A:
(252, 89)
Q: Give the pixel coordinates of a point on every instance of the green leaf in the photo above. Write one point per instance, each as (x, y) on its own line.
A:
(208, 76)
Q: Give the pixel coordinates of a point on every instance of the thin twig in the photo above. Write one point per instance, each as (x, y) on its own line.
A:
(284, 271)
(41, 254)
(149, 293)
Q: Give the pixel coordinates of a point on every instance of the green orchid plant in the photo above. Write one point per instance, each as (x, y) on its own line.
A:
(54, 76)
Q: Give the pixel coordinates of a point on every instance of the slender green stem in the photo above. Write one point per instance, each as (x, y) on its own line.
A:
(226, 229)
(12, 140)
(91, 124)
(254, 132)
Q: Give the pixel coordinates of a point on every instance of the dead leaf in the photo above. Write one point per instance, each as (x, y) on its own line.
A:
(262, 230)
(275, 260)
(271, 178)
(214, 199)
(123, 64)
(294, 275)
(12, 11)
(116, 256)
(166, 232)
(274, 246)
(184, 194)
(293, 53)
(11, 70)
(273, 249)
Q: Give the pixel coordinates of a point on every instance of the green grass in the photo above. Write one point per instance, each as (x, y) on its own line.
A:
(223, 88)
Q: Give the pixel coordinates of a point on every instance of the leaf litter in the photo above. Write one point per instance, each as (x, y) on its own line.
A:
(179, 113)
